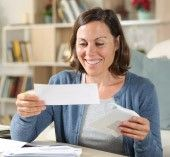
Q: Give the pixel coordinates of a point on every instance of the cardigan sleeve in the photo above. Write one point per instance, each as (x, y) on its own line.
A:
(27, 129)
(149, 108)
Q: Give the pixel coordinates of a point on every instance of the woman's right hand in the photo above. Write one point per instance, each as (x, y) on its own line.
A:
(28, 104)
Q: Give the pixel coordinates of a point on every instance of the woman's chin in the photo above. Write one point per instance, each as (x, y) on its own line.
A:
(92, 72)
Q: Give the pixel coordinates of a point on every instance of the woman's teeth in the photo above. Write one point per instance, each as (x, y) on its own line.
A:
(92, 61)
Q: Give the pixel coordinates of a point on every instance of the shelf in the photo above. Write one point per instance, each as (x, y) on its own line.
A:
(70, 25)
(16, 64)
(57, 64)
(32, 26)
(8, 100)
(140, 22)
(32, 64)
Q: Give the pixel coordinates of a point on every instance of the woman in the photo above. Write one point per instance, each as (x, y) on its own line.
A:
(100, 55)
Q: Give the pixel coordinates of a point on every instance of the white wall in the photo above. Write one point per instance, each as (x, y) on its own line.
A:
(16, 11)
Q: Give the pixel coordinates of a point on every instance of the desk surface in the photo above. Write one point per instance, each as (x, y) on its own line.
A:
(88, 152)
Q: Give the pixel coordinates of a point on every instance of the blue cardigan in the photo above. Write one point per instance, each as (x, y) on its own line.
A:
(137, 94)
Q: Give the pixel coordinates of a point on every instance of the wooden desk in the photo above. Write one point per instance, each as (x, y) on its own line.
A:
(88, 152)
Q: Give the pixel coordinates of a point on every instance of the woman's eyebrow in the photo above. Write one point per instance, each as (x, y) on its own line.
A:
(81, 39)
(101, 37)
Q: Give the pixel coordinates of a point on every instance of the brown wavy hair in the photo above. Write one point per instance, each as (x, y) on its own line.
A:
(121, 61)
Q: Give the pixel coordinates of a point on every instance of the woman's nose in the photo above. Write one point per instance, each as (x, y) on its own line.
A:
(91, 49)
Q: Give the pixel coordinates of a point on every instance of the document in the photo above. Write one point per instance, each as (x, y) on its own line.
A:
(68, 94)
(9, 145)
(109, 123)
(45, 151)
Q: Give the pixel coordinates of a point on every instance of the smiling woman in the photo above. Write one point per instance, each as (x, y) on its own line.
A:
(100, 55)
(95, 47)
(103, 34)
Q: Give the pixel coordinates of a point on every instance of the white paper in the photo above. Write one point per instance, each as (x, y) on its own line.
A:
(67, 94)
(109, 123)
(7, 145)
(46, 151)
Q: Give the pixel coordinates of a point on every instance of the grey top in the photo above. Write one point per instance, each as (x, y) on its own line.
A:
(93, 137)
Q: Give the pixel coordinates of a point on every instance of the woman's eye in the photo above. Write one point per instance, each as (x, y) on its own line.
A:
(82, 44)
(99, 44)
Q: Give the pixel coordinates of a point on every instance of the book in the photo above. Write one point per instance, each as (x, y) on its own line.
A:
(74, 7)
(61, 16)
(24, 51)
(82, 5)
(28, 48)
(4, 93)
(13, 86)
(16, 50)
(19, 85)
(29, 83)
(67, 10)
(9, 53)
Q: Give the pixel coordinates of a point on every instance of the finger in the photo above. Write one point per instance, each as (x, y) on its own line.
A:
(27, 96)
(139, 120)
(22, 103)
(26, 114)
(144, 123)
(29, 110)
(136, 137)
(132, 131)
(135, 126)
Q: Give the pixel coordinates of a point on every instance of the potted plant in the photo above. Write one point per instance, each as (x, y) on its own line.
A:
(143, 8)
(48, 12)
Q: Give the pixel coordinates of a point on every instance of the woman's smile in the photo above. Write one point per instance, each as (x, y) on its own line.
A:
(93, 61)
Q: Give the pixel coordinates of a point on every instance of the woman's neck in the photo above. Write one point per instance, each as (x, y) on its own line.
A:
(106, 79)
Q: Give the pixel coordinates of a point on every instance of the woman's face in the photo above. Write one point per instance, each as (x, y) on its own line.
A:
(95, 47)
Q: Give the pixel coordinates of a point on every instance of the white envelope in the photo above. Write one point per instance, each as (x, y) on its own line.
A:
(109, 123)
(68, 94)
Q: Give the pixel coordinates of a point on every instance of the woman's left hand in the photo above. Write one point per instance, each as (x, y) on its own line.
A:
(136, 127)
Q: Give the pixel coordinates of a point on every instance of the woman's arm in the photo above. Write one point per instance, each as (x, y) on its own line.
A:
(28, 128)
(145, 130)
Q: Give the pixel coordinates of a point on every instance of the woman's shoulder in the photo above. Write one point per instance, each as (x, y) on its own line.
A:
(66, 77)
(137, 81)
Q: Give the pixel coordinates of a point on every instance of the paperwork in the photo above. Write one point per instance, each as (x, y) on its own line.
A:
(6, 145)
(109, 123)
(68, 94)
(11, 148)
(45, 151)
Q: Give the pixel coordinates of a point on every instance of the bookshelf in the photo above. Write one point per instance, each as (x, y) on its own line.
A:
(42, 43)
(43, 46)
